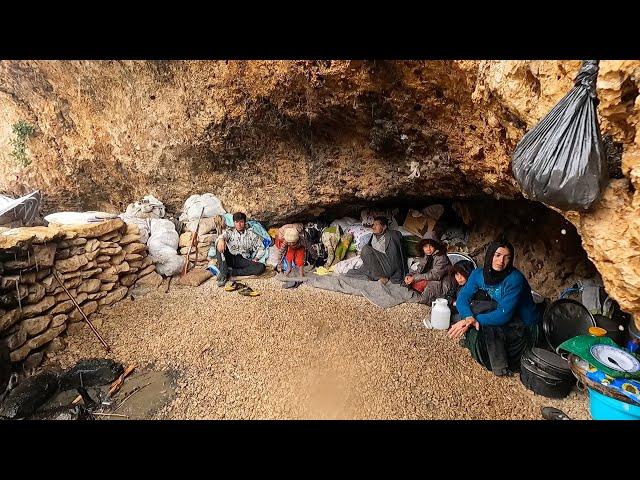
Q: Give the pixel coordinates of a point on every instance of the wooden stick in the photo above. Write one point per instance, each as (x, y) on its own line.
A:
(115, 386)
(193, 237)
(55, 274)
(111, 415)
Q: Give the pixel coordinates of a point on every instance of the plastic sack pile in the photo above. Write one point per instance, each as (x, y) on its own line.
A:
(561, 161)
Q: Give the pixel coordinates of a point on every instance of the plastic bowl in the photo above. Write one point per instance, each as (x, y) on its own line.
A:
(607, 408)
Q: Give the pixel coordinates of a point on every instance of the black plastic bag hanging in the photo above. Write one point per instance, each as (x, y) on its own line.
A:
(562, 161)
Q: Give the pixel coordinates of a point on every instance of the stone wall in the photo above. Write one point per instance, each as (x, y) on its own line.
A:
(98, 263)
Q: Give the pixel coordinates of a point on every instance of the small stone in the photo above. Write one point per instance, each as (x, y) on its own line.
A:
(118, 259)
(32, 362)
(66, 307)
(114, 296)
(44, 254)
(8, 282)
(16, 339)
(9, 319)
(42, 274)
(133, 257)
(63, 254)
(19, 264)
(90, 286)
(36, 293)
(91, 256)
(88, 308)
(34, 326)
(128, 280)
(148, 260)
(97, 295)
(135, 263)
(92, 245)
(21, 353)
(29, 278)
(71, 264)
(58, 320)
(36, 309)
(77, 242)
(111, 237)
(135, 248)
(111, 250)
(132, 229)
(40, 340)
(147, 270)
(103, 258)
(129, 239)
(105, 287)
(62, 296)
(77, 251)
(153, 279)
(56, 345)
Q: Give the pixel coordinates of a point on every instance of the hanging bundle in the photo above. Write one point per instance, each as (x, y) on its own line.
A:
(561, 161)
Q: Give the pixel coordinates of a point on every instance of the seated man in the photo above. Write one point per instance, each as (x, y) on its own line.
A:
(497, 338)
(382, 257)
(236, 249)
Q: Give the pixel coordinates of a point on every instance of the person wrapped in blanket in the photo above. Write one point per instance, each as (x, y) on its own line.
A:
(382, 257)
(237, 250)
(497, 336)
(433, 277)
(292, 249)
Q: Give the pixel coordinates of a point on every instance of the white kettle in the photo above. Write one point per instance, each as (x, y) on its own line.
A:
(440, 314)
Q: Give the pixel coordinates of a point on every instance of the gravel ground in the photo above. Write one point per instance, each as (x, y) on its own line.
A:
(304, 353)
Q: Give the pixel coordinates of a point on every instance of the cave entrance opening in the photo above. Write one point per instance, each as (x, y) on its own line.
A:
(548, 249)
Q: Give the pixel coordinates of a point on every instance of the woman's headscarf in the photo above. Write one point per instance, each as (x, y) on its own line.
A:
(492, 277)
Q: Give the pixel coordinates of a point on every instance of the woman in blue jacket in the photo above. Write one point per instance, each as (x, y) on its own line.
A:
(497, 338)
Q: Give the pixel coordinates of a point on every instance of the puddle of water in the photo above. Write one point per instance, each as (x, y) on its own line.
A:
(155, 389)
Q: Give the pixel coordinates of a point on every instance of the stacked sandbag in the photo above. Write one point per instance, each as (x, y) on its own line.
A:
(98, 263)
(208, 211)
(200, 248)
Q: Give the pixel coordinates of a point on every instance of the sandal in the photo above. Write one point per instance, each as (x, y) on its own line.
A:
(233, 286)
(248, 292)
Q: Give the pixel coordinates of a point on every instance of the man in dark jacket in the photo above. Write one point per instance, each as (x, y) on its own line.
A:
(382, 256)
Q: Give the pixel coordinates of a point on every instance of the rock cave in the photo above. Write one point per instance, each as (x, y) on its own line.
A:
(288, 142)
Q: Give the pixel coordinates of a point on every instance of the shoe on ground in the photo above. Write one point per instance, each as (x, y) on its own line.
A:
(551, 413)
(248, 292)
(289, 284)
(221, 282)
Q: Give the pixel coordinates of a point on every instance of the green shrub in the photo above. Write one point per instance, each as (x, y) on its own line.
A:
(22, 130)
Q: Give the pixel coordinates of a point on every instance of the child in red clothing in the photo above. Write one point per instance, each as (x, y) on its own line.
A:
(292, 252)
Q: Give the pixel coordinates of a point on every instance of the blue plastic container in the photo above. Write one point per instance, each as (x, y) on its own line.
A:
(607, 408)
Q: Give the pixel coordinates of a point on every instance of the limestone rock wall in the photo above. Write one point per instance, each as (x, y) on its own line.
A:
(97, 263)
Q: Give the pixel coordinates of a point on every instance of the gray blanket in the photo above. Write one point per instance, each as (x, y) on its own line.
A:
(384, 296)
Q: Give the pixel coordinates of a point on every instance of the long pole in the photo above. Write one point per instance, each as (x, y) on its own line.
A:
(194, 239)
(55, 274)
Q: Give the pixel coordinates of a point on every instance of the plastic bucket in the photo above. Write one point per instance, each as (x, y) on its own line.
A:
(602, 407)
